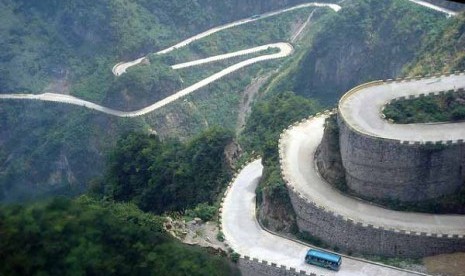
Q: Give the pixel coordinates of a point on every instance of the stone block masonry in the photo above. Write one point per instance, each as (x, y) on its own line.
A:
(349, 236)
(386, 169)
(255, 267)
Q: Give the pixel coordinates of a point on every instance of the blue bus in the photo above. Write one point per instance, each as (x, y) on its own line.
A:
(323, 259)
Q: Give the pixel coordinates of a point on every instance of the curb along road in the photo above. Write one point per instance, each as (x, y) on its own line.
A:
(245, 236)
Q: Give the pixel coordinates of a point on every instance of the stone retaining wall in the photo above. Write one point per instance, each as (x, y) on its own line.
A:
(387, 169)
(252, 266)
(349, 236)
(379, 160)
(255, 267)
(408, 171)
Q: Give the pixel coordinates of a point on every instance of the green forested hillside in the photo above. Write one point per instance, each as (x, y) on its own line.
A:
(49, 40)
(59, 46)
(87, 237)
(80, 41)
(442, 51)
(366, 40)
(69, 47)
(261, 134)
(168, 176)
(48, 148)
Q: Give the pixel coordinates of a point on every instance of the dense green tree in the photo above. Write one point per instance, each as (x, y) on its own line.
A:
(87, 237)
(441, 108)
(168, 176)
(270, 117)
(261, 134)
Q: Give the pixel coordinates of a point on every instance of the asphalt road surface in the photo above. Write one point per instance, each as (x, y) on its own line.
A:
(243, 233)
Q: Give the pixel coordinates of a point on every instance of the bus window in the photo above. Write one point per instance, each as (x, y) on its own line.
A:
(323, 259)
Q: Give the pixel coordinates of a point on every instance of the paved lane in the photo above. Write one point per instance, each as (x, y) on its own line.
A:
(299, 145)
(362, 110)
(243, 233)
(285, 49)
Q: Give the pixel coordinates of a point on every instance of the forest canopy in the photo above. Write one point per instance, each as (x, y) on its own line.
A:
(168, 176)
(88, 237)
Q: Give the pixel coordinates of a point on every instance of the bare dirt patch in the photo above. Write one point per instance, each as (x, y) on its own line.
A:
(59, 85)
(446, 264)
(197, 232)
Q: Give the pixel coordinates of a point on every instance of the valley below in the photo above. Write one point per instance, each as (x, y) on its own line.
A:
(137, 112)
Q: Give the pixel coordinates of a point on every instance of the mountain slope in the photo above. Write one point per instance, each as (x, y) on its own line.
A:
(57, 46)
(444, 51)
(366, 40)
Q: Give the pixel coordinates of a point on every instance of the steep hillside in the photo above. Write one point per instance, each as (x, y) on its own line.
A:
(87, 237)
(47, 148)
(366, 40)
(443, 51)
(46, 41)
(456, 5)
(55, 46)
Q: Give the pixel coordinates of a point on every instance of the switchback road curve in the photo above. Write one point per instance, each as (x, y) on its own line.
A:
(285, 49)
(362, 107)
(120, 68)
(245, 236)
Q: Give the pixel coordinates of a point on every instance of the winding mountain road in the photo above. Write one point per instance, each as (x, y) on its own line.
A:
(298, 149)
(362, 109)
(120, 68)
(434, 7)
(246, 237)
(240, 227)
(285, 50)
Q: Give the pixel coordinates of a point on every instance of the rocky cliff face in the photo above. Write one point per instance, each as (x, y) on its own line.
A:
(366, 40)
(276, 214)
(328, 156)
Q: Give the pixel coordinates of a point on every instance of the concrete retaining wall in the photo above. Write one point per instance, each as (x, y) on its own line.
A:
(385, 169)
(349, 236)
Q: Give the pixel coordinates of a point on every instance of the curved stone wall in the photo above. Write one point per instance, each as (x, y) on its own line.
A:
(430, 168)
(349, 236)
(394, 161)
(342, 232)
(386, 169)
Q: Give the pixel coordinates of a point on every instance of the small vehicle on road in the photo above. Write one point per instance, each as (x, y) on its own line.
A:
(255, 16)
(324, 259)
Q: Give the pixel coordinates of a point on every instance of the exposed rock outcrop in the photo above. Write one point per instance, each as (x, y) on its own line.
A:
(328, 156)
